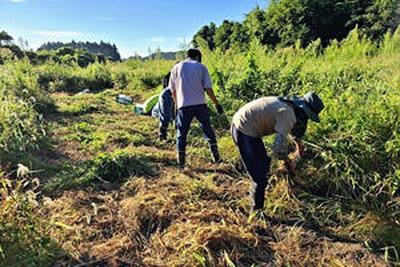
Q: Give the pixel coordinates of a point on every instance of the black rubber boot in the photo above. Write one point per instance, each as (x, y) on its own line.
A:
(257, 196)
(181, 159)
(215, 153)
(162, 133)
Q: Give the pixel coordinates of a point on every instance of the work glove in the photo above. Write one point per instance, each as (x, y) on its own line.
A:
(219, 108)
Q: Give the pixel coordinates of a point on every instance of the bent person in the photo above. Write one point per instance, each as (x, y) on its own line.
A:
(164, 109)
(189, 81)
(267, 116)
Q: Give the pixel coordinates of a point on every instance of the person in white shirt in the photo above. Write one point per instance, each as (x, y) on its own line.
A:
(189, 82)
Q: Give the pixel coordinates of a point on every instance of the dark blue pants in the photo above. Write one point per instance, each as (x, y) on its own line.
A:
(257, 163)
(185, 117)
(164, 110)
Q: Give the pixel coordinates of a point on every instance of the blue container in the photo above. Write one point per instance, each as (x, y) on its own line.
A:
(138, 109)
(123, 99)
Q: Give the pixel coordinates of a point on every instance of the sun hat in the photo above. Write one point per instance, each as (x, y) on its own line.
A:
(311, 104)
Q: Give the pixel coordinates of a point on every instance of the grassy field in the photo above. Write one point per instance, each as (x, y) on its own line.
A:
(99, 188)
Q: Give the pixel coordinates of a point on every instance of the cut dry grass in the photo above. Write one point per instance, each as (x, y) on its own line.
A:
(216, 244)
(299, 247)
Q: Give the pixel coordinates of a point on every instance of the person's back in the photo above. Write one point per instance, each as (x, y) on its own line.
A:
(265, 116)
(190, 78)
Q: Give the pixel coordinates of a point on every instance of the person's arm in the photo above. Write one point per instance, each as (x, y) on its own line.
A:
(280, 149)
(285, 121)
(210, 93)
(174, 97)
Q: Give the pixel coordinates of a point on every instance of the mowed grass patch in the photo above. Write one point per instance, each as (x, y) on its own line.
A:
(112, 167)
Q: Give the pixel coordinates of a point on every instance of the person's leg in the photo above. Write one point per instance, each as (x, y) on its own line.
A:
(156, 113)
(185, 117)
(162, 132)
(165, 118)
(203, 117)
(257, 163)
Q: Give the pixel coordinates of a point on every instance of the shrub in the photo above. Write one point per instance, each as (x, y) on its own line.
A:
(84, 58)
(56, 78)
(67, 59)
(251, 83)
(120, 80)
(65, 51)
(150, 80)
(21, 130)
(99, 77)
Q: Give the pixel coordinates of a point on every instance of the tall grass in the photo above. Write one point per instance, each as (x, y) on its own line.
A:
(355, 148)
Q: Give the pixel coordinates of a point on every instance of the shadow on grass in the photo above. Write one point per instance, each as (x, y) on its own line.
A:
(45, 253)
(66, 117)
(229, 171)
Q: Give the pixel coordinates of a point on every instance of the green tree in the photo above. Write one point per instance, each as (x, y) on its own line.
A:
(240, 37)
(101, 58)
(206, 33)
(5, 38)
(67, 59)
(15, 50)
(84, 58)
(109, 50)
(286, 21)
(379, 17)
(223, 35)
(256, 26)
(308, 20)
(65, 50)
(291, 22)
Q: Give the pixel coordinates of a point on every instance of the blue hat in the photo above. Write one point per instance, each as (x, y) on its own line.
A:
(311, 104)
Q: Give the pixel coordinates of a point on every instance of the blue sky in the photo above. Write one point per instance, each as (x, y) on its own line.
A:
(134, 26)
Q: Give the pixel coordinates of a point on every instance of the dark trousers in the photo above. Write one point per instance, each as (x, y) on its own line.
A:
(185, 117)
(257, 163)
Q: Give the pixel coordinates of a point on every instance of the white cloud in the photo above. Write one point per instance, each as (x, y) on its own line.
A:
(158, 39)
(18, 1)
(60, 34)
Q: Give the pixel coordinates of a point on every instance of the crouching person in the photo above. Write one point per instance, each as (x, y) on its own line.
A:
(164, 110)
(266, 116)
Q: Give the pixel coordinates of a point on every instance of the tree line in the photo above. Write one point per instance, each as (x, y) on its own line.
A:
(286, 22)
(79, 53)
(107, 49)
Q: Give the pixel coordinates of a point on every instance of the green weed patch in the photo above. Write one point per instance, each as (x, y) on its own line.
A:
(113, 167)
